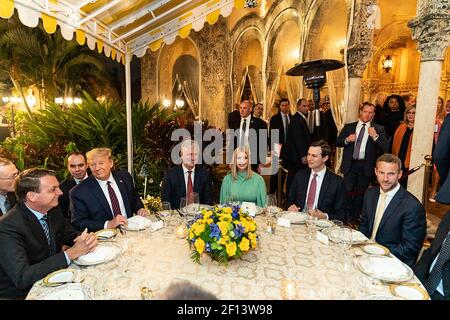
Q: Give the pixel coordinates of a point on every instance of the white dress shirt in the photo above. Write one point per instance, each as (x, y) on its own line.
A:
(77, 181)
(247, 129)
(104, 187)
(39, 216)
(319, 180)
(2, 203)
(362, 149)
(440, 287)
(304, 117)
(389, 196)
(186, 175)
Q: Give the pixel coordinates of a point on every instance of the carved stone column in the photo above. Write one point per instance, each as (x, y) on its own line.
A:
(359, 52)
(431, 30)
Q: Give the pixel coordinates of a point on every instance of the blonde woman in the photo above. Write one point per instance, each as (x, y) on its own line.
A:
(241, 183)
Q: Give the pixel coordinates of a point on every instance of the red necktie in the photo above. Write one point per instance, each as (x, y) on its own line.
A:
(114, 201)
(190, 188)
(312, 192)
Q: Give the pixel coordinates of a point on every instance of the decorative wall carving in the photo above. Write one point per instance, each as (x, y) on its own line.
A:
(431, 29)
(360, 48)
(149, 76)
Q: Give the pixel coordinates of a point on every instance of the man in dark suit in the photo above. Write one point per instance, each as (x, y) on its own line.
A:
(441, 157)
(317, 187)
(297, 142)
(8, 172)
(433, 268)
(187, 178)
(280, 122)
(251, 132)
(77, 167)
(234, 117)
(105, 199)
(32, 235)
(392, 216)
(363, 141)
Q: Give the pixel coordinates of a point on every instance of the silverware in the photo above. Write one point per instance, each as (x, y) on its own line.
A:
(121, 229)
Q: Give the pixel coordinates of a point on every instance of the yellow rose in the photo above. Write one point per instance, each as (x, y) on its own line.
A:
(223, 226)
(227, 217)
(253, 243)
(199, 245)
(191, 234)
(244, 245)
(231, 248)
(199, 229)
(224, 240)
(227, 210)
(209, 221)
(207, 214)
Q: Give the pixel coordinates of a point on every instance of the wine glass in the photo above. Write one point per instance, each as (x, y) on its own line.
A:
(346, 244)
(195, 201)
(271, 204)
(166, 210)
(183, 204)
(311, 219)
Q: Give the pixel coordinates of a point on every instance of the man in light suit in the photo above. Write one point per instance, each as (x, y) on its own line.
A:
(105, 199)
(8, 172)
(363, 141)
(441, 157)
(32, 235)
(298, 141)
(392, 216)
(317, 187)
(433, 268)
(77, 167)
(187, 178)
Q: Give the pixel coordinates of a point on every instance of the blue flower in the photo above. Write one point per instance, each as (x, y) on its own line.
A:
(239, 231)
(215, 231)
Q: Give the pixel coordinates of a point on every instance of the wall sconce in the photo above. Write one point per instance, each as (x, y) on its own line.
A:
(387, 64)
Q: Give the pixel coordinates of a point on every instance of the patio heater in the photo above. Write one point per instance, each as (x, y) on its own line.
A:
(313, 73)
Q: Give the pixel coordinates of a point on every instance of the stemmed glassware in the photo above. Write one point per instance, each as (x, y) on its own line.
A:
(271, 204)
(310, 222)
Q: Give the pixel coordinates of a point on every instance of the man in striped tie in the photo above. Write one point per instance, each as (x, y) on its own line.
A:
(33, 234)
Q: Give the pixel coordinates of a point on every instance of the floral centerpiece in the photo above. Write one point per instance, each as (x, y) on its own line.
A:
(222, 233)
(152, 204)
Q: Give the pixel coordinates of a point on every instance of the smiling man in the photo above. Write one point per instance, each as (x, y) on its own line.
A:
(391, 215)
(105, 199)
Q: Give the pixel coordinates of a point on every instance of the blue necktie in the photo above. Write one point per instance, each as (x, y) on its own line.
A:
(358, 142)
(436, 273)
(44, 225)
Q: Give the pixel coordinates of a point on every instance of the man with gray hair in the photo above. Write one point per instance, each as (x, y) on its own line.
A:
(185, 179)
(106, 198)
(33, 233)
(8, 172)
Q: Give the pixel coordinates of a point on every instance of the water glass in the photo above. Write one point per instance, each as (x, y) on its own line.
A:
(311, 226)
(166, 210)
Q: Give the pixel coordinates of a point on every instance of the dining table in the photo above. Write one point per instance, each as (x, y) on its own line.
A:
(286, 264)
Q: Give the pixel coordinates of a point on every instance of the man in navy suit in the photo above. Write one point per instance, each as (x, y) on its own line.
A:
(392, 216)
(317, 187)
(33, 233)
(8, 172)
(441, 157)
(187, 178)
(363, 141)
(433, 268)
(105, 199)
(280, 122)
(297, 142)
(77, 167)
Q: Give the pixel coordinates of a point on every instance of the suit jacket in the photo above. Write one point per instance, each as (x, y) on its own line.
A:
(423, 265)
(441, 156)
(11, 199)
(174, 187)
(233, 118)
(402, 228)
(256, 124)
(89, 206)
(276, 122)
(25, 256)
(64, 200)
(298, 140)
(331, 194)
(373, 148)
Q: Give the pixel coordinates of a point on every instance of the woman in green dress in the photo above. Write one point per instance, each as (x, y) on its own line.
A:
(242, 184)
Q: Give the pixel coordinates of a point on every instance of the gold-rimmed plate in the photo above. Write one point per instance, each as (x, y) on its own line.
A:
(59, 277)
(106, 234)
(409, 291)
(375, 249)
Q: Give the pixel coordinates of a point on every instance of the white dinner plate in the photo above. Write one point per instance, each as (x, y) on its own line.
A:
(106, 234)
(137, 223)
(375, 249)
(104, 252)
(379, 297)
(384, 268)
(409, 291)
(322, 223)
(59, 277)
(335, 236)
(70, 291)
(294, 216)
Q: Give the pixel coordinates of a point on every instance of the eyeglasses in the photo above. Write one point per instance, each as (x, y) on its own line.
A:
(11, 177)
